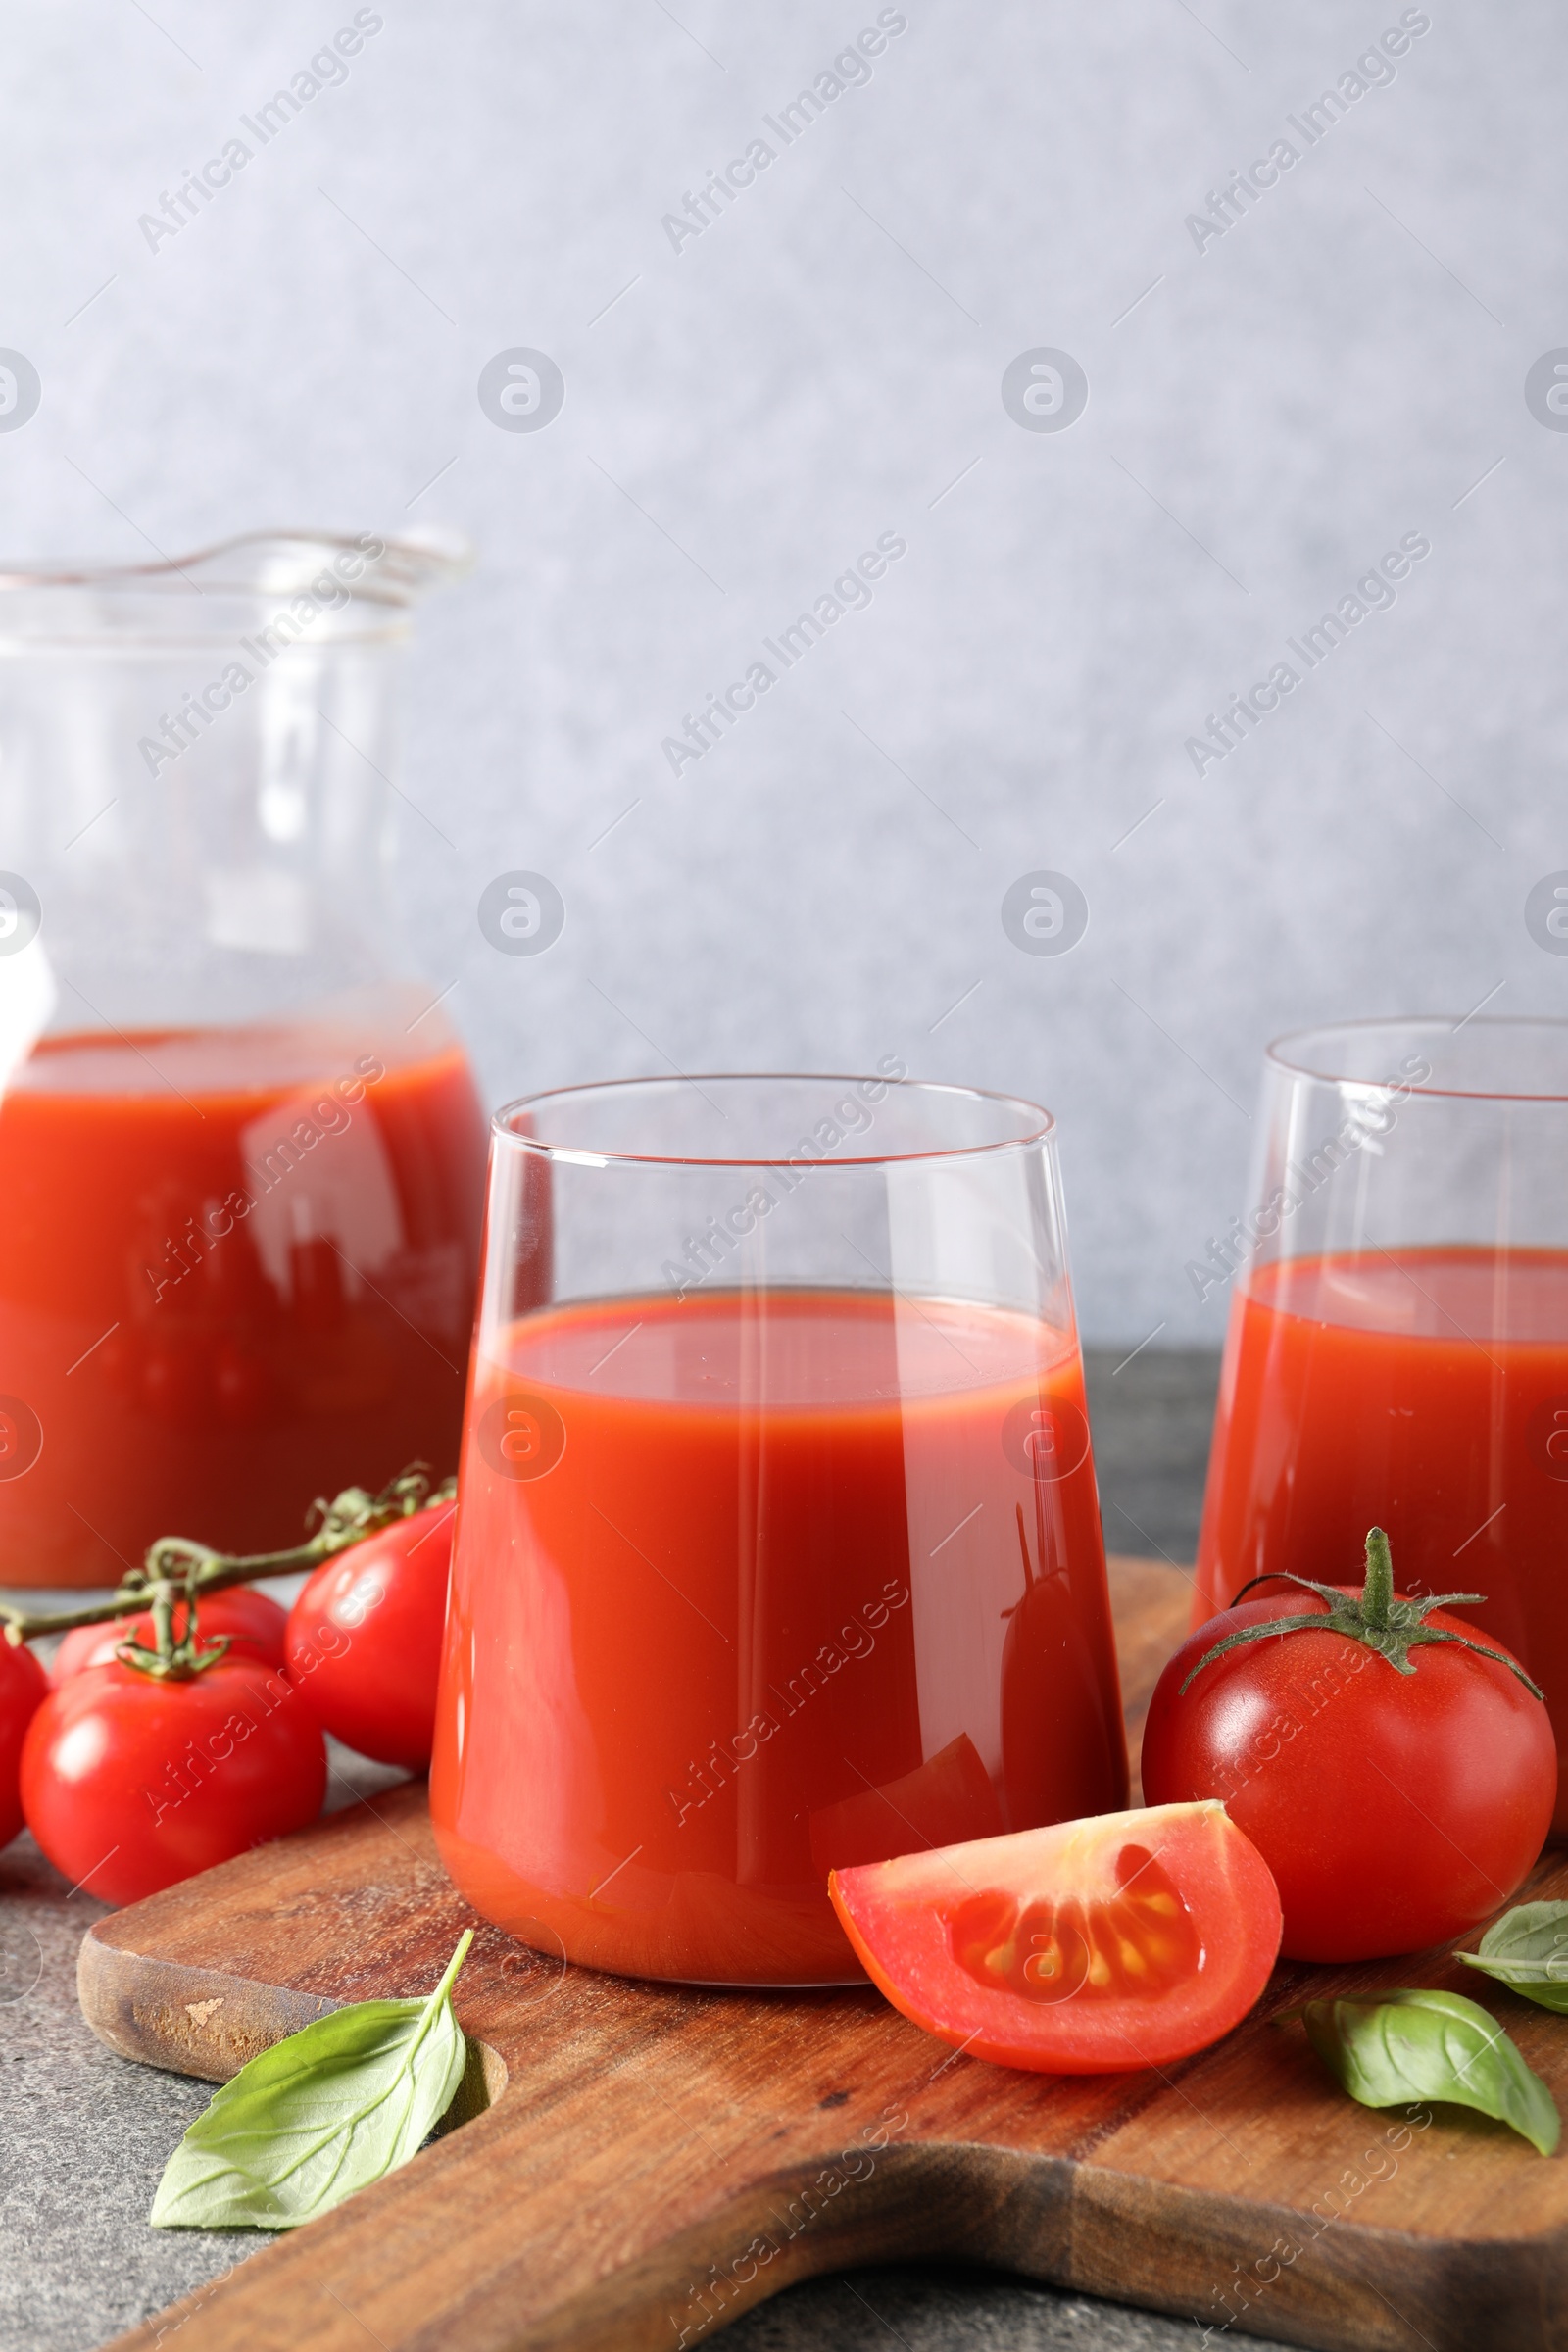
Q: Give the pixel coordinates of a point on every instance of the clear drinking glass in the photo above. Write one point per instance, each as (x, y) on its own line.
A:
(241, 1155)
(1398, 1352)
(778, 1540)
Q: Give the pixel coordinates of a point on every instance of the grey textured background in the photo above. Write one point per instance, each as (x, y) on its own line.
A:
(822, 366)
(741, 417)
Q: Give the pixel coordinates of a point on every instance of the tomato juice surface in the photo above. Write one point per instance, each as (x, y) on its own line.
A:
(756, 1584)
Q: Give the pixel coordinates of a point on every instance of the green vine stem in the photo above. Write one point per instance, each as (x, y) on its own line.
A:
(177, 1568)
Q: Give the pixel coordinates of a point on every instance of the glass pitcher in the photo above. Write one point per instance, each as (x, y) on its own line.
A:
(241, 1152)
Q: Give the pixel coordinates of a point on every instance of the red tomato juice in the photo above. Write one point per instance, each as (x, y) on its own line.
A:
(1424, 1390)
(237, 1270)
(754, 1585)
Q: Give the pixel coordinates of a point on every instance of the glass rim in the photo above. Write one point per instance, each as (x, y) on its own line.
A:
(1039, 1124)
(201, 598)
(1407, 1025)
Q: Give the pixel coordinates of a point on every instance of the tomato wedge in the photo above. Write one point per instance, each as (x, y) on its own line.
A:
(1097, 1947)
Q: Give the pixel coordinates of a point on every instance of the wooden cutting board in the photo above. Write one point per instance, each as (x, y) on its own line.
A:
(639, 2163)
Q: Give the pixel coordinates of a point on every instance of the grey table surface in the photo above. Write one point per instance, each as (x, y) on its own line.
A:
(84, 2134)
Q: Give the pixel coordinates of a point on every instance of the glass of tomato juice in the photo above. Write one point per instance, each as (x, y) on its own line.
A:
(1397, 1349)
(778, 1540)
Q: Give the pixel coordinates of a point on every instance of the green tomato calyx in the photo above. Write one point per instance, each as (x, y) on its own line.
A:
(1374, 1617)
(171, 1659)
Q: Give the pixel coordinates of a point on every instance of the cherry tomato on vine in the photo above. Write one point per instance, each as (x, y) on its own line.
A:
(1395, 1770)
(129, 1784)
(1095, 1946)
(365, 1639)
(251, 1620)
(24, 1687)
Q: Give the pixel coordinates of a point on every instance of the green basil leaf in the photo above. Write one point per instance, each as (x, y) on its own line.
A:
(1407, 2046)
(1527, 1949)
(333, 2108)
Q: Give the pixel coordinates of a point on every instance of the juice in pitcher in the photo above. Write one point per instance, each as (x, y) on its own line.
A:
(237, 1270)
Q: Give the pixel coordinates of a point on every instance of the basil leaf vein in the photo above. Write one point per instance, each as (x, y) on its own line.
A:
(1410, 2045)
(306, 2123)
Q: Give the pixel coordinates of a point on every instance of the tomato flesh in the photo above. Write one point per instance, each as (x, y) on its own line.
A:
(1137, 1943)
(1096, 1946)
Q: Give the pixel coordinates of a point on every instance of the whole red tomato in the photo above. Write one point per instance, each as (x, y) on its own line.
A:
(1394, 1809)
(365, 1639)
(129, 1784)
(24, 1687)
(251, 1620)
